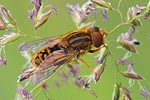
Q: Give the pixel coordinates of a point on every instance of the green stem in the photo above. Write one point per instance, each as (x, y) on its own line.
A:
(37, 94)
(116, 67)
(118, 10)
(148, 8)
(132, 20)
(48, 98)
(119, 3)
(35, 88)
(23, 34)
(115, 29)
(124, 23)
(140, 84)
(45, 94)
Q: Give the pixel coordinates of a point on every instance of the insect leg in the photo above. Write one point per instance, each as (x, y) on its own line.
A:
(96, 50)
(87, 65)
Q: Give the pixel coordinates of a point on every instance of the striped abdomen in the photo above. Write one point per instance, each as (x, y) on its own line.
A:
(41, 55)
(77, 40)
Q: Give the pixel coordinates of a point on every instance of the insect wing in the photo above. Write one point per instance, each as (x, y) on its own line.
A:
(51, 65)
(40, 44)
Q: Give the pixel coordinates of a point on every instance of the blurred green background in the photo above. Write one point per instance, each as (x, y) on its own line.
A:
(62, 23)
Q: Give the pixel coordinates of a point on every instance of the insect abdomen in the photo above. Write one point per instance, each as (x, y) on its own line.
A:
(79, 40)
(41, 55)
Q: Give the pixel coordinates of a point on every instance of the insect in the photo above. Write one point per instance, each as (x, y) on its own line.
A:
(54, 52)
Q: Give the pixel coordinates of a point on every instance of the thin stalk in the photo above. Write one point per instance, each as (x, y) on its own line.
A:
(124, 24)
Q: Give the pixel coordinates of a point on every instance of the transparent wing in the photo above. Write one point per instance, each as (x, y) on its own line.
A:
(51, 65)
(40, 44)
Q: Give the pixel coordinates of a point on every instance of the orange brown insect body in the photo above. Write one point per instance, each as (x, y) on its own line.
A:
(60, 50)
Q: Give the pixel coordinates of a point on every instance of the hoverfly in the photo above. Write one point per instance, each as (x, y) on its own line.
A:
(54, 52)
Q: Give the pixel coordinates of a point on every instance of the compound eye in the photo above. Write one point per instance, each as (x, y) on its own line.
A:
(97, 39)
